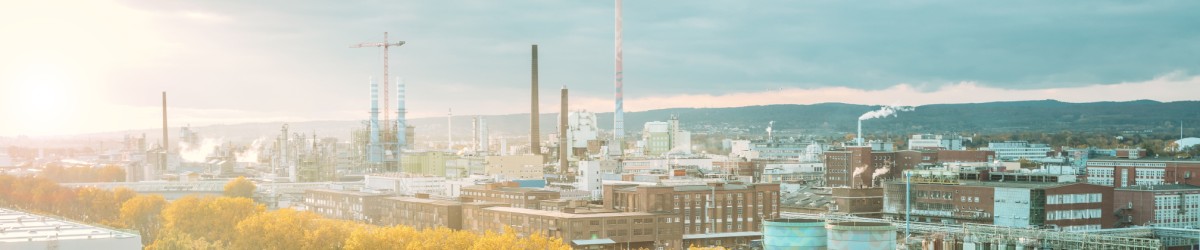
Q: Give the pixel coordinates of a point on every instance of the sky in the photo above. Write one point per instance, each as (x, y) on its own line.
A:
(69, 67)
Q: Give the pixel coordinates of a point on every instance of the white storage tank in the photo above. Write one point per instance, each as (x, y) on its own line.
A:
(861, 235)
(794, 234)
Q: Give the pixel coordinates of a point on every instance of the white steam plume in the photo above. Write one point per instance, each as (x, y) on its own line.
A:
(251, 153)
(857, 171)
(198, 153)
(885, 111)
(880, 172)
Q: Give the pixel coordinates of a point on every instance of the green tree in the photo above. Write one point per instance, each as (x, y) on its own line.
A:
(240, 187)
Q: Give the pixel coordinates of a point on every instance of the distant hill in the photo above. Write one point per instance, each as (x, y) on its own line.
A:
(824, 118)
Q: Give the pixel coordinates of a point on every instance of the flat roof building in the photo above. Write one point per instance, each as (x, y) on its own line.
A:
(21, 231)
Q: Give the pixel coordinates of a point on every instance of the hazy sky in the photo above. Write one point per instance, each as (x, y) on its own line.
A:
(100, 65)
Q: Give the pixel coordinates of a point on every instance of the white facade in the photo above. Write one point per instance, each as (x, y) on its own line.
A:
(741, 149)
(1167, 210)
(591, 179)
(404, 184)
(581, 128)
(1015, 150)
(1011, 206)
(927, 141)
(664, 164)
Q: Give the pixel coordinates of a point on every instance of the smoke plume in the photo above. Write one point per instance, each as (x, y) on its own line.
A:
(885, 111)
(198, 153)
(858, 171)
(251, 153)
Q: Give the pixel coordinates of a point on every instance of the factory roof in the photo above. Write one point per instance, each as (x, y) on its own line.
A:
(427, 201)
(17, 226)
(345, 192)
(565, 215)
(1165, 187)
(1015, 184)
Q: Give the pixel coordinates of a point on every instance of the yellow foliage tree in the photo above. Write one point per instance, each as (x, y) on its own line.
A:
(143, 213)
(291, 229)
(212, 218)
(174, 239)
(240, 187)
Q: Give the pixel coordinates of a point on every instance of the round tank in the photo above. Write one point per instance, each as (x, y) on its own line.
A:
(794, 234)
(861, 235)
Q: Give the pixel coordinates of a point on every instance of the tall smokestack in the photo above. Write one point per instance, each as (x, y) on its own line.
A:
(562, 134)
(618, 79)
(401, 123)
(535, 140)
(450, 129)
(858, 138)
(374, 150)
(166, 141)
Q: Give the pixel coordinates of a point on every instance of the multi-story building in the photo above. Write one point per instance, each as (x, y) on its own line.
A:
(406, 184)
(664, 164)
(1028, 202)
(1144, 171)
(1173, 205)
(343, 205)
(861, 202)
(420, 212)
(715, 214)
(859, 166)
(657, 138)
(862, 166)
(432, 163)
(582, 228)
(508, 193)
(1016, 150)
(515, 167)
(934, 142)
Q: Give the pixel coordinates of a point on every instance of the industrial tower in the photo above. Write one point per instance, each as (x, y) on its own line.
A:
(376, 127)
(618, 79)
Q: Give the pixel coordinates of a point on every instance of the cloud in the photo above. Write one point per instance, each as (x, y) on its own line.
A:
(1162, 88)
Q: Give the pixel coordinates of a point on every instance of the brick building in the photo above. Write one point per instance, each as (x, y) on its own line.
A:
(1158, 205)
(420, 212)
(1145, 171)
(343, 205)
(508, 193)
(876, 166)
(943, 197)
(582, 228)
(714, 214)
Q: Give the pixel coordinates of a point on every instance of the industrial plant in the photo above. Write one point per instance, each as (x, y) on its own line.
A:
(669, 179)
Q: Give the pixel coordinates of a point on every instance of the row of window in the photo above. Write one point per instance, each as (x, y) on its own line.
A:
(1074, 214)
(1074, 198)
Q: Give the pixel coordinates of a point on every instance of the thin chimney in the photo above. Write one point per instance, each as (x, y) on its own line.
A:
(535, 140)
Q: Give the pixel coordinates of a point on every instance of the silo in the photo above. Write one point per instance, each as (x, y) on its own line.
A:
(794, 234)
(861, 235)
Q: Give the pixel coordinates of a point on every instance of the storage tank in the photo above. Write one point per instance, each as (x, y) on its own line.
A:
(861, 235)
(794, 234)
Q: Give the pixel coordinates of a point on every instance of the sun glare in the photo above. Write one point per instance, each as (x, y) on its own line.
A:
(42, 102)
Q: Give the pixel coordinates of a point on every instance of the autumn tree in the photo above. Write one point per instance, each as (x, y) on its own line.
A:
(211, 218)
(240, 187)
(143, 213)
(291, 229)
(174, 239)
